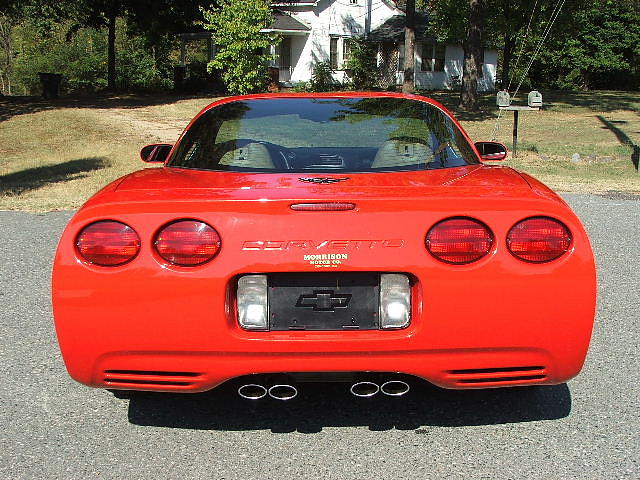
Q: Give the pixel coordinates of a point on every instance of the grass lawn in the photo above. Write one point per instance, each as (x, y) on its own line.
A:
(602, 127)
(56, 155)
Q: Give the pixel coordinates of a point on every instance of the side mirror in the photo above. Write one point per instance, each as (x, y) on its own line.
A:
(492, 151)
(156, 153)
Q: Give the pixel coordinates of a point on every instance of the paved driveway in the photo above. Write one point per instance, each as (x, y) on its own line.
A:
(51, 427)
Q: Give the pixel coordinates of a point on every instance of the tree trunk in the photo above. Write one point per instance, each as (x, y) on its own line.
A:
(408, 85)
(472, 55)
(507, 57)
(111, 55)
(6, 41)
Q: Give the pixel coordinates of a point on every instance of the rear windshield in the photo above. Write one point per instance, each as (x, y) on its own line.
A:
(323, 135)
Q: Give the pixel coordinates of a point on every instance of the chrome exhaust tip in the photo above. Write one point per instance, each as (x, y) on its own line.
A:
(364, 389)
(283, 392)
(394, 388)
(252, 391)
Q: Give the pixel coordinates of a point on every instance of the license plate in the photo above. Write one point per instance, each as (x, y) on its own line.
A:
(324, 301)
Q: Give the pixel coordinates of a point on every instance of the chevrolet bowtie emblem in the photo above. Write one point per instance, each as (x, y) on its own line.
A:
(324, 301)
(322, 180)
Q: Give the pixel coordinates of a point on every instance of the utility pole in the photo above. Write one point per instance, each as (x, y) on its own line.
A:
(367, 18)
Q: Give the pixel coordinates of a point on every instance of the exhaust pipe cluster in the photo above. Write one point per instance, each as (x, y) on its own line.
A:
(392, 388)
(284, 391)
(253, 391)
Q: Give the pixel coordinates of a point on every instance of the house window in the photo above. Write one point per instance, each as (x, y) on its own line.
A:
(333, 53)
(353, 2)
(433, 57)
(339, 52)
(438, 57)
(426, 61)
(346, 51)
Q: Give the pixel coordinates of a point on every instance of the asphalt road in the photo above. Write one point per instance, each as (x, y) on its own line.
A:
(51, 427)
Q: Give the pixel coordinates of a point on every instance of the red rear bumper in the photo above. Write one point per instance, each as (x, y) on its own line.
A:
(496, 322)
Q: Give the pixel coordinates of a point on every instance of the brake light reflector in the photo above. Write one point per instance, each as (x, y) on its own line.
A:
(108, 243)
(395, 300)
(459, 240)
(187, 243)
(539, 239)
(253, 302)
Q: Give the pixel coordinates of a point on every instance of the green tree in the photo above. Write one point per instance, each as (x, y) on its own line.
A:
(159, 30)
(80, 58)
(12, 13)
(453, 20)
(155, 20)
(596, 45)
(241, 44)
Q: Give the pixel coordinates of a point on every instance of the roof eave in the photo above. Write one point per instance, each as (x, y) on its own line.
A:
(294, 4)
(281, 30)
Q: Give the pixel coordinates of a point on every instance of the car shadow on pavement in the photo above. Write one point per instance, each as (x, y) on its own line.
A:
(322, 405)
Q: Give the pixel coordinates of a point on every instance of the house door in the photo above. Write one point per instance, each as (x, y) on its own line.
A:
(283, 52)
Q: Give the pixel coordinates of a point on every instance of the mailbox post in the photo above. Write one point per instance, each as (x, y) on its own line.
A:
(534, 101)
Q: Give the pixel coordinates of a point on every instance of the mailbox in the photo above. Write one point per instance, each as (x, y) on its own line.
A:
(503, 98)
(535, 99)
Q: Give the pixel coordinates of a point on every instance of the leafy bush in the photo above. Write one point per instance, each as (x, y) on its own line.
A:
(301, 87)
(135, 66)
(241, 45)
(322, 78)
(363, 65)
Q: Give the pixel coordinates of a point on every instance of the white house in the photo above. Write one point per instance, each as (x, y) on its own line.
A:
(320, 31)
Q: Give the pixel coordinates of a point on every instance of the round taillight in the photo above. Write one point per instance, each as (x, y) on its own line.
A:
(539, 239)
(459, 240)
(187, 243)
(108, 243)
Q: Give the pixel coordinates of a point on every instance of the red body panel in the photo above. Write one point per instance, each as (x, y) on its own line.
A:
(496, 322)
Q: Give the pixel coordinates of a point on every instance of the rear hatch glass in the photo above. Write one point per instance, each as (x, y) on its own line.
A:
(323, 135)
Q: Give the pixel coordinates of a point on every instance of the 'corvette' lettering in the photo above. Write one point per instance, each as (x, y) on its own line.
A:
(311, 245)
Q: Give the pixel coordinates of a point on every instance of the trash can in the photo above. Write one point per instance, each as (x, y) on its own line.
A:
(50, 84)
(179, 77)
(274, 77)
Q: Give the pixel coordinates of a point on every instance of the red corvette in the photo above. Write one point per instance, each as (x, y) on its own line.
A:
(354, 237)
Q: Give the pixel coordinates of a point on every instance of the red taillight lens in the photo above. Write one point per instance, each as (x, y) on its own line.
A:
(108, 243)
(539, 239)
(187, 243)
(459, 240)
